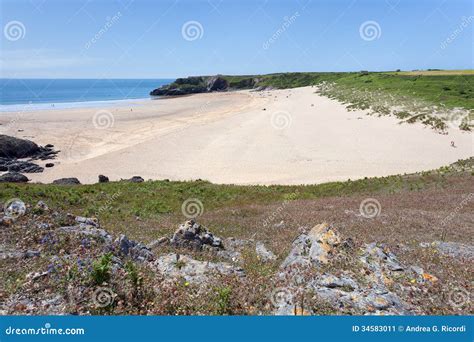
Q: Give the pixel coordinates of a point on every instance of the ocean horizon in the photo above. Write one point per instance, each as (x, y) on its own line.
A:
(31, 94)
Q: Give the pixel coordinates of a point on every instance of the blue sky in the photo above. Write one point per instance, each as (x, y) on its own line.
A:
(148, 39)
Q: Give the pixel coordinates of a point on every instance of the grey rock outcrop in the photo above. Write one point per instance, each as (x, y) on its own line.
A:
(314, 247)
(193, 235)
(174, 266)
(263, 253)
(452, 249)
(136, 250)
(321, 246)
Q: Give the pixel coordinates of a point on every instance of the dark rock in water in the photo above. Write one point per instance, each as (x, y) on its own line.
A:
(13, 177)
(67, 181)
(11, 147)
(136, 179)
(103, 179)
(49, 165)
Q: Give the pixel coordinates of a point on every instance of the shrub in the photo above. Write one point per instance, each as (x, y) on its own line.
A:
(101, 269)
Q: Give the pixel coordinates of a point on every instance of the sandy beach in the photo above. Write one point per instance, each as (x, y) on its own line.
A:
(290, 136)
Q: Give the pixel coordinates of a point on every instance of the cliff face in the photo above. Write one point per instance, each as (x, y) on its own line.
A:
(202, 84)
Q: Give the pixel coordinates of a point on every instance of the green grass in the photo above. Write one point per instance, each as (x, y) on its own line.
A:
(455, 89)
(123, 201)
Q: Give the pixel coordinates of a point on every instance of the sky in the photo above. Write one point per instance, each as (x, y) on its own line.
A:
(177, 38)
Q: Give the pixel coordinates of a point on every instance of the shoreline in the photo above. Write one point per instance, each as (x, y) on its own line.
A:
(30, 107)
(288, 137)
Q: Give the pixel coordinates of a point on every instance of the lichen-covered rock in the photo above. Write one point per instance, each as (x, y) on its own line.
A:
(7, 253)
(452, 249)
(173, 266)
(15, 208)
(136, 250)
(375, 256)
(263, 253)
(193, 235)
(87, 230)
(313, 248)
(89, 221)
(323, 245)
(41, 205)
(160, 242)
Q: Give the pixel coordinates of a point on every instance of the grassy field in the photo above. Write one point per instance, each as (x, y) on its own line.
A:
(435, 72)
(158, 203)
(412, 207)
(452, 88)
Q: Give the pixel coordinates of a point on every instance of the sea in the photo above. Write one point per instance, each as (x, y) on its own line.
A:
(34, 94)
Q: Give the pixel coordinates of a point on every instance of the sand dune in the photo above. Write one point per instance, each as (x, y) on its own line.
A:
(290, 136)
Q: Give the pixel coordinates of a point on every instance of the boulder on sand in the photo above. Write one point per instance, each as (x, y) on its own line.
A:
(103, 179)
(13, 177)
(67, 181)
(11, 147)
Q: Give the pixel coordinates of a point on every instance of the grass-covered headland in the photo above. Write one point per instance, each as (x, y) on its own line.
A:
(436, 98)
